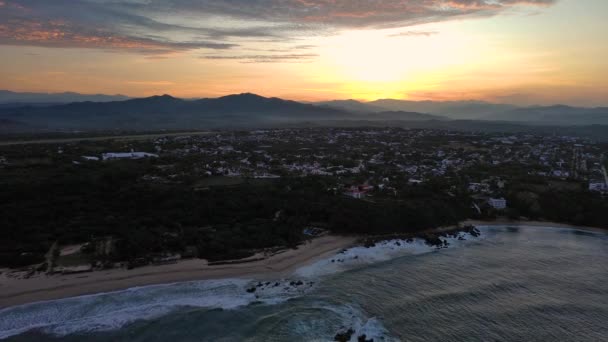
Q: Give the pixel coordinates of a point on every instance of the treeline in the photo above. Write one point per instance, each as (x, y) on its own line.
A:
(582, 208)
(93, 203)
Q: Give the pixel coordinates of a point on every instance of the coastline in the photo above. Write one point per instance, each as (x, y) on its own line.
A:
(15, 291)
(521, 223)
(18, 291)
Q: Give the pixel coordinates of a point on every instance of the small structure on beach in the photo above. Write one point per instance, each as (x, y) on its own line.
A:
(498, 203)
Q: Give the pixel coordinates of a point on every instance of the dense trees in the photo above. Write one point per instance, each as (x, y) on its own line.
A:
(41, 205)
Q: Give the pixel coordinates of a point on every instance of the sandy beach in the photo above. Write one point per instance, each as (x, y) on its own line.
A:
(14, 291)
(17, 291)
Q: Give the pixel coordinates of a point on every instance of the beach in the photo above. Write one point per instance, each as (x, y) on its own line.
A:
(15, 291)
(42, 287)
(389, 291)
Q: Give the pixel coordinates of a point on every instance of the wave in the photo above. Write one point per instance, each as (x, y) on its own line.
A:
(113, 310)
(321, 321)
(382, 251)
(360, 324)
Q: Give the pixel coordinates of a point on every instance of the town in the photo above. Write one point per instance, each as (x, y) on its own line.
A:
(160, 199)
(364, 161)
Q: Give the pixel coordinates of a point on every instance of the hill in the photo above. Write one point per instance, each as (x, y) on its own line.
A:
(15, 99)
(167, 112)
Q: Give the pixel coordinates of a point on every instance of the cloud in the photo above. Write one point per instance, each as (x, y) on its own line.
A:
(66, 35)
(280, 58)
(414, 34)
(169, 26)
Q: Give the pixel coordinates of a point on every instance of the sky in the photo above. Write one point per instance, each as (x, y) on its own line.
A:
(510, 51)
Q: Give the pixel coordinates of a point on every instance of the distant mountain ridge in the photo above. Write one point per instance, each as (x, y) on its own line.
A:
(167, 112)
(557, 114)
(17, 98)
(480, 110)
(250, 110)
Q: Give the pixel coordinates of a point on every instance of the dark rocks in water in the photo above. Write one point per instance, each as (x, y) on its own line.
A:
(277, 284)
(332, 260)
(356, 257)
(344, 336)
(398, 243)
(267, 283)
(433, 240)
(409, 240)
(260, 285)
(369, 244)
(471, 230)
(251, 289)
(363, 338)
(299, 283)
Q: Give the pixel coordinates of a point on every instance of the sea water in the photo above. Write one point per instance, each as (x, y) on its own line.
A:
(509, 284)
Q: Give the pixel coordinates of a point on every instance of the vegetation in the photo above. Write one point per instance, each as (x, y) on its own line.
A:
(44, 204)
(147, 210)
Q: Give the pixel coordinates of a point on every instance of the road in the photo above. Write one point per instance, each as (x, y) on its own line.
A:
(101, 138)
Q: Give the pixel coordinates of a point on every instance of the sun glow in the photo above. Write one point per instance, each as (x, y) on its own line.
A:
(380, 64)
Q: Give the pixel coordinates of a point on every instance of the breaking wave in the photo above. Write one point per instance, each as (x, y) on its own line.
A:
(113, 310)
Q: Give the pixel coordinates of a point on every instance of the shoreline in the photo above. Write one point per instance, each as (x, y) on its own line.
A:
(16, 291)
(39, 288)
(545, 224)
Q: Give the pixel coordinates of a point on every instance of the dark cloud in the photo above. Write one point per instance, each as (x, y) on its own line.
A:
(67, 35)
(152, 26)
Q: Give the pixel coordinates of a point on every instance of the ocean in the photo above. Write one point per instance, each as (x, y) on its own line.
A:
(509, 284)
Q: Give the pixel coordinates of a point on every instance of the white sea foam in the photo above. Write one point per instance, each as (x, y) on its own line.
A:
(354, 318)
(108, 311)
(382, 251)
(113, 310)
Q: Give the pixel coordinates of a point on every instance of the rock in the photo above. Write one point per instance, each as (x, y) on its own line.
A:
(251, 290)
(344, 336)
(363, 338)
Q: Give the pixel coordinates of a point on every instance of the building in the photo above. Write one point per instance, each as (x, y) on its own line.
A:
(598, 186)
(498, 203)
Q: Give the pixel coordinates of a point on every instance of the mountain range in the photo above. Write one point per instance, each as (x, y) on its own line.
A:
(250, 110)
(13, 99)
(480, 110)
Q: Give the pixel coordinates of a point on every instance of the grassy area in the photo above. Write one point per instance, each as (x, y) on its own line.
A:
(219, 181)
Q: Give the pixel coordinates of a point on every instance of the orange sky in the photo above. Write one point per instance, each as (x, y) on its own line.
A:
(523, 52)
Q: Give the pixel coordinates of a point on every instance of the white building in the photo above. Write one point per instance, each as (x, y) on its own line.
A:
(498, 203)
(598, 186)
